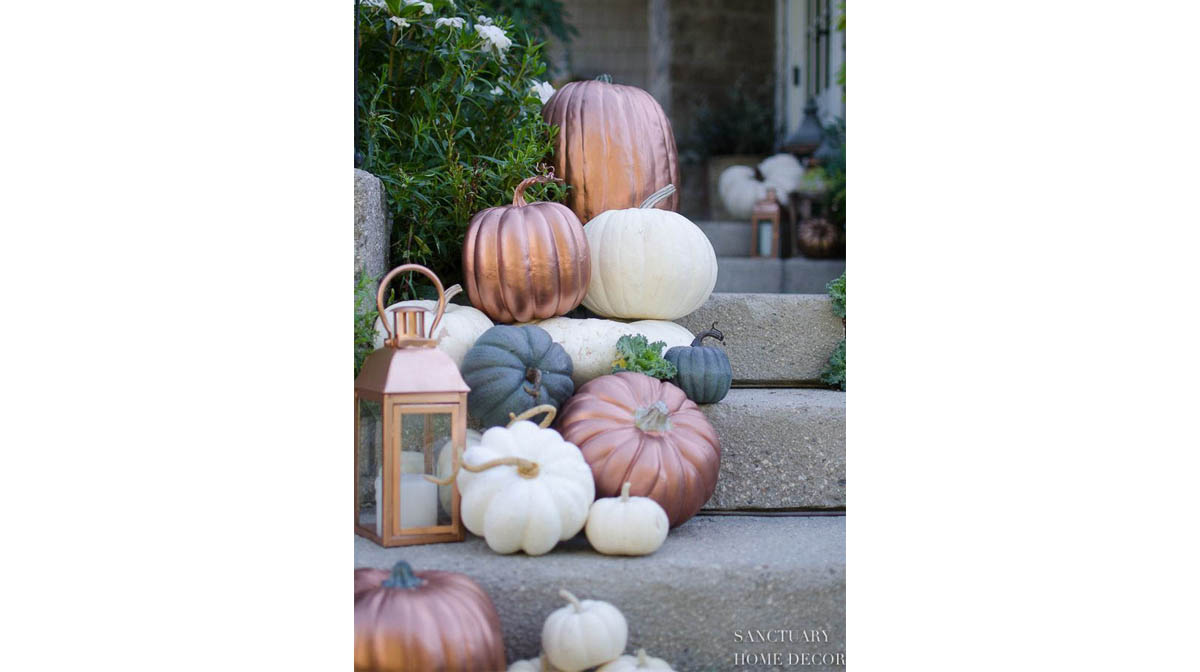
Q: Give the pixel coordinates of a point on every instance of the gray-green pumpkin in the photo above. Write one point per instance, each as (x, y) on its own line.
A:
(512, 369)
(703, 371)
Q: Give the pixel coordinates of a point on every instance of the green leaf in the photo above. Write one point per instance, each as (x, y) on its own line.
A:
(635, 354)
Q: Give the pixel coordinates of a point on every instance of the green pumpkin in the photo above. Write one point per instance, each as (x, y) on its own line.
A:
(512, 369)
(704, 373)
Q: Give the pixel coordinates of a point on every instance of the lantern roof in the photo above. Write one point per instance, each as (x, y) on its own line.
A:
(412, 370)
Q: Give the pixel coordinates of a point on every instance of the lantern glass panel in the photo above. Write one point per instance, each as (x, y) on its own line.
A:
(422, 438)
(370, 465)
(766, 237)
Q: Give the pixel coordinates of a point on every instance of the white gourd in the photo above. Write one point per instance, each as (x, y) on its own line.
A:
(740, 190)
(592, 342)
(626, 525)
(784, 171)
(583, 634)
(641, 661)
(539, 664)
(524, 488)
(455, 334)
(648, 263)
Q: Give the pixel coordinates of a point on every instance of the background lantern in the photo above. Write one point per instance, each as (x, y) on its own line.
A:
(410, 404)
(764, 226)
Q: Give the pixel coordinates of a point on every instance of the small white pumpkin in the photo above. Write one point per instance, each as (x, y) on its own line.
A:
(626, 525)
(633, 663)
(784, 171)
(583, 634)
(592, 343)
(455, 334)
(648, 263)
(740, 190)
(539, 664)
(523, 487)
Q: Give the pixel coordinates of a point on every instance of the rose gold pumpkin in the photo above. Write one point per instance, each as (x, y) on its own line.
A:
(446, 623)
(615, 146)
(631, 427)
(526, 261)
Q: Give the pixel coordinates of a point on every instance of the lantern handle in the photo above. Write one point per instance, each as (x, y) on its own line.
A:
(441, 305)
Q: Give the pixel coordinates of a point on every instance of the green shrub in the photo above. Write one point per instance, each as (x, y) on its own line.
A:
(837, 292)
(365, 312)
(835, 371)
(448, 116)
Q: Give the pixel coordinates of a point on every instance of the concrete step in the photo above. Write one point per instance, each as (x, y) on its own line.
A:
(691, 603)
(780, 449)
(729, 239)
(789, 276)
(772, 340)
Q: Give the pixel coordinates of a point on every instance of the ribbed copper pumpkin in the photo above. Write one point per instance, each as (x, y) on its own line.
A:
(820, 238)
(635, 428)
(615, 146)
(526, 261)
(406, 621)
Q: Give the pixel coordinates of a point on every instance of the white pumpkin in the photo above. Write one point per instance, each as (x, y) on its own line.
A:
(444, 466)
(583, 634)
(784, 171)
(740, 190)
(539, 664)
(633, 663)
(626, 525)
(592, 343)
(457, 331)
(648, 263)
(524, 488)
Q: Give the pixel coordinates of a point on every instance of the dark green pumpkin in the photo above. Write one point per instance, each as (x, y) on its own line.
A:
(704, 373)
(512, 369)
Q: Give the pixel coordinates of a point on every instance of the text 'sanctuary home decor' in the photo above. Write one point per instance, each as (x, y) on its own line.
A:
(406, 621)
(526, 261)
(409, 403)
(615, 146)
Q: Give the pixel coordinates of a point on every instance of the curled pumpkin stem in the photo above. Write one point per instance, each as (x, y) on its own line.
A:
(711, 332)
(519, 192)
(653, 199)
(549, 410)
(566, 595)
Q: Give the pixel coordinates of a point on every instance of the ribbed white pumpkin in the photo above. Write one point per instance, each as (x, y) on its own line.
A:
(626, 525)
(782, 170)
(583, 634)
(540, 496)
(648, 263)
(592, 343)
(740, 190)
(455, 334)
(641, 661)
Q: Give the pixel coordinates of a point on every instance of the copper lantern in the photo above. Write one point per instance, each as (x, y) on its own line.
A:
(410, 426)
(764, 227)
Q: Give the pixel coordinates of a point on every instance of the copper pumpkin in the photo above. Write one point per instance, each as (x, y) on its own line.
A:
(526, 261)
(406, 621)
(615, 146)
(819, 238)
(632, 427)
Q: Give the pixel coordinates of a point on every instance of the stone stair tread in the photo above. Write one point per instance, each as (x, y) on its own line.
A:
(714, 575)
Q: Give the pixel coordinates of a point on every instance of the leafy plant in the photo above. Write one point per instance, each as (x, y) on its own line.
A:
(743, 123)
(540, 19)
(835, 370)
(837, 292)
(448, 115)
(365, 312)
(634, 353)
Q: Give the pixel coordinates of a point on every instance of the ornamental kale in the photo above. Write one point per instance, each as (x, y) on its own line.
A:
(635, 354)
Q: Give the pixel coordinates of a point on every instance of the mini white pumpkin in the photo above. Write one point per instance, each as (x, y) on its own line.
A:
(740, 190)
(648, 263)
(455, 334)
(626, 525)
(539, 664)
(784, 171)
(523, 487)
(633, 663)
(592, 343)
(583, 634)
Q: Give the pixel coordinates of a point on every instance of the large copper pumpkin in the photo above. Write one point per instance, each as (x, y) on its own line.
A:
(635, 428)
(615, 146)
(526, 261)
(406, 621)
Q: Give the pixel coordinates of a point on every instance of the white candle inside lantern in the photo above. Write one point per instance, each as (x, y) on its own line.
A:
(418, 502)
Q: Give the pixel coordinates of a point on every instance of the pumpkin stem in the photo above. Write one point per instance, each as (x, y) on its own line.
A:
(606, 78)
(519, 192)
(403, 577)
(653, 418)
(566, 595)
(534, 376)
(549, 410)
(525, 468)
(625, 491)
(711, 332)
(653, 199)
(453, 291)
(641, 654)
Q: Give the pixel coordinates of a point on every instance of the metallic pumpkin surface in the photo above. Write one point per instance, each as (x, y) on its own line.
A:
(449, 623)
(676, 467)
(614, 146)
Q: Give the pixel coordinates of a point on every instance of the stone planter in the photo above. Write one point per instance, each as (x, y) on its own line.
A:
(717, 164)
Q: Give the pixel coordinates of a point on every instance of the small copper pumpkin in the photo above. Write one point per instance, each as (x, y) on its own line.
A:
(819, 238)
(406, 621)
(526, 261)
(631, 427)
(615, 146)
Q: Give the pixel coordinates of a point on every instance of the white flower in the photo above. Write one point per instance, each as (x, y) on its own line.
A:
(483, 20)
(494, 39)
(377, 4)
(497, 91)
(426, 8)
(400, 23)
(543, 89)
(456, 22)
